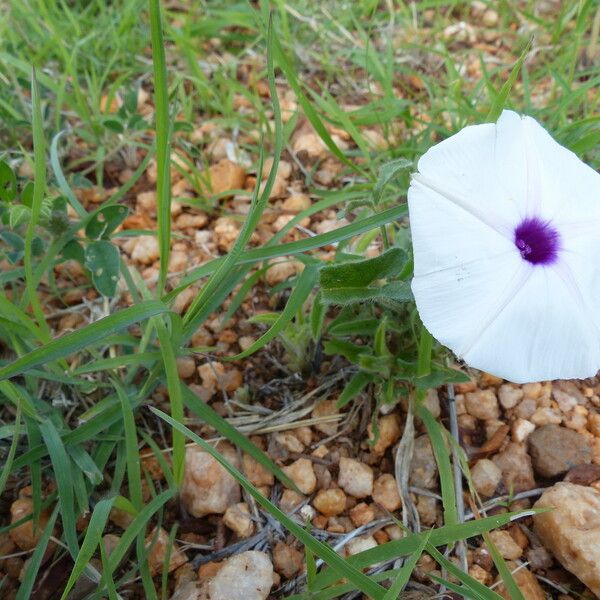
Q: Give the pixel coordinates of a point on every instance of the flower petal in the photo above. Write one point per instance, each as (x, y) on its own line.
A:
(464, 270)
(485, 166)
(570, 189)
(543, 333)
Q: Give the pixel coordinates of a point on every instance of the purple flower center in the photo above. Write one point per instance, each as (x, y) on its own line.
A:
(537, 241)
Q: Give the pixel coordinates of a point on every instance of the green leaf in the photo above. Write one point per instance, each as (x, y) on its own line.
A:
(350, 282)
(8, 183)
(19, 214)
(73, 250)
(102, 259)
(387, 173)
(397, 291)
(27, 194)
(361, 273)
(317, 318)
(82, 338)
(105, 221)
(354, 387)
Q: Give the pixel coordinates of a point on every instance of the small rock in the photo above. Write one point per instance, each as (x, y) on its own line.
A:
(301, 472)
(355, 478)
(486, 477)
(191, 221)
(567, 395)
(521, 429)
(583, 474)
(490, 18)
(508, 548)
(526, 582)
(280, 271)
(539, 558)
(296, 203)
(480, 574)
(288, 561)
(145, 250)
(428, 509)
(146, 201)
(190, 590)
(289, 441)
(226, 231)
(237, 518)
(245, 576)
(572, 530)
(509, 396)
(482, 404)
(362, 514)
(423, 468)
(284, 169)
(24, 535)
(515, 464)
(389, 433)
(330, 502)
(207, 487)
(186, 366)
(532, 390)
(325, 409)
(544, 415)
(309, 145)
(525, 408)
(256, 474)
(157, 547)
(290, 500)
(225, 176)
(554, 450)
(360, 544)
(432, 402)
(385, 492)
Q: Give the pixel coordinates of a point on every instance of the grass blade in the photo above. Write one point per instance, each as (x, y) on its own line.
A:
(80, 339)
(500, 100)
(90, 542)
(409, 544)
(163, 155)
(405, 572)
(35, 561)
(212, 418)
(300, 293)
(442, 457)
(39, 189)
(62, 471)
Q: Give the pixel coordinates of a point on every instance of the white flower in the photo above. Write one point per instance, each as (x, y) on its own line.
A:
(506, 235)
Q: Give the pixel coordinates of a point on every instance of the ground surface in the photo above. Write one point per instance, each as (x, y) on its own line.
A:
(384, 81)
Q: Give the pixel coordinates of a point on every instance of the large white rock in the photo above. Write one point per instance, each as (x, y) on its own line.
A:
(207, 487)
(572, 530)
(246, 576)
